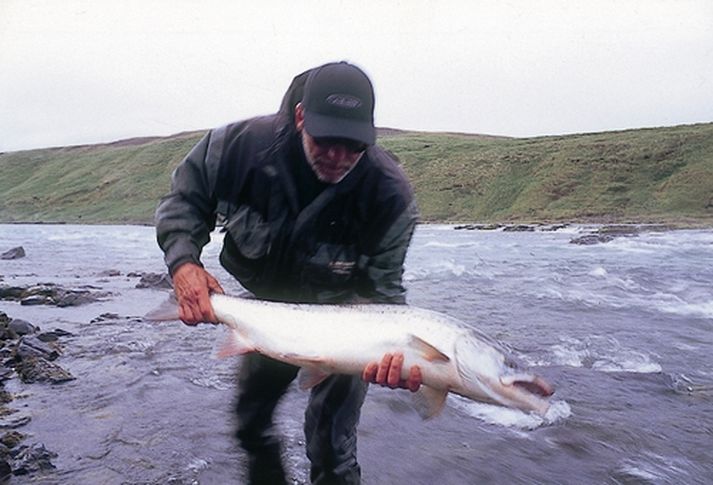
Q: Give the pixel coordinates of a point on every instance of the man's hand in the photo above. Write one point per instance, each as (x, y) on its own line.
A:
(193, 286)
(388, 373)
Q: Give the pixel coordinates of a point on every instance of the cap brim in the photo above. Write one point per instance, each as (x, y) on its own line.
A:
(318, 125)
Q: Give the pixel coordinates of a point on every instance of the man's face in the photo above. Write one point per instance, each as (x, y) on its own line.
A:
(331, 159)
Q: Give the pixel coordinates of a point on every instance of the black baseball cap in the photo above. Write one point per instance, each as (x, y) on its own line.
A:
(338, 102)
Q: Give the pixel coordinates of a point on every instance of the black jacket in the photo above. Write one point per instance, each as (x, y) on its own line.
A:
(349, 243)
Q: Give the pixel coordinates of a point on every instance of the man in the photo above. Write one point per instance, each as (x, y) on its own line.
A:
(315, 212)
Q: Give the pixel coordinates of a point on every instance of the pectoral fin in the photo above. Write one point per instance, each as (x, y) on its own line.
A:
(234, 345)
(429, 401)
(310, 376)
(428, 351)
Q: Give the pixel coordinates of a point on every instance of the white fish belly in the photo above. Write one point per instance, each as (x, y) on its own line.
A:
(342, 339)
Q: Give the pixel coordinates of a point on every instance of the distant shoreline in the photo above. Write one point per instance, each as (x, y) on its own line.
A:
(475, 225)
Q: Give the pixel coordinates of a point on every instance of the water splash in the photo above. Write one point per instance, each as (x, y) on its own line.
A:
(511, 418)
(604, 354)
(699, 309)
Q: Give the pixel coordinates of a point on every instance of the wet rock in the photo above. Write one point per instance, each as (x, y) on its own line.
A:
(5, 470)
(5, 375)
(11, 292)
(38, 369)
(54, 335)
(607, 233)
(5, 332)
(11, 439)
(109, 273)
(105, 316)
(554, 227)
(21, 327)
(36, 300)
(32, 459)
(490, 227)
(50, 294)
(38, 295)
(48, 337)
(12, 418)
(62, 333)
(5, 397)
(519, 228)
(48, 290)
(479, 227)
(14, 253)
(76, 298)
(589, 239)
(31, 346)
(620, 230)
(155, 280)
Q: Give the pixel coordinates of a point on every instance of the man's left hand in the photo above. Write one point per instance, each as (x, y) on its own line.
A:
(388, 373)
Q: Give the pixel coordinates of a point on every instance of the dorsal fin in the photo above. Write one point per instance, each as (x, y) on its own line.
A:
(428, 351)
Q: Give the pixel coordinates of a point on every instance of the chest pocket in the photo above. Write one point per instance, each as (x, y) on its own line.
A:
(331, 267)
(246, 244)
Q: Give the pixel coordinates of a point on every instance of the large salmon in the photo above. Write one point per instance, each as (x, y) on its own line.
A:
(343, 339)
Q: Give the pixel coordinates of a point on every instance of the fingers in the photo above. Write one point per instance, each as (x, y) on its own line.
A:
(413, 383)
(383, 371)
(388, 373)
(213, 284)
(193, 285)
(393, 378)
(369, 374)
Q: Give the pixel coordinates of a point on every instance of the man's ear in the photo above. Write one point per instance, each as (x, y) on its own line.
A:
(299, 116)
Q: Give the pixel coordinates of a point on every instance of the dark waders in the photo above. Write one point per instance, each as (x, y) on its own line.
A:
(330, 425)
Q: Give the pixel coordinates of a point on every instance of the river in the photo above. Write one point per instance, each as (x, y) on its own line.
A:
(622, 329)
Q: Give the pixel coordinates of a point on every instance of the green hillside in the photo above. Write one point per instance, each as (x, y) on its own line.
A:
(645, 175)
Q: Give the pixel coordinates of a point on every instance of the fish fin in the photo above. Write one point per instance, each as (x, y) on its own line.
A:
(234, 345)
(429, 401)
(428, 351)
(166, 311)
(310, 376)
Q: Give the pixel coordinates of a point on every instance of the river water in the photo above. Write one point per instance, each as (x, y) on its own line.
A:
(622, 329)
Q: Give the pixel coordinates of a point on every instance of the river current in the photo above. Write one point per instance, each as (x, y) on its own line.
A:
(624, 330)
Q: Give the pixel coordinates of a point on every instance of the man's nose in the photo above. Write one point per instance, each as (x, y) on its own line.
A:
(337, 152)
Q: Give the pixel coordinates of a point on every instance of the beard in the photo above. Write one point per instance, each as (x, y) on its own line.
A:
(326, 170)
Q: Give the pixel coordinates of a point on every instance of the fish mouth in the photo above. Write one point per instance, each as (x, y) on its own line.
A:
(536, 386)
(529, 383)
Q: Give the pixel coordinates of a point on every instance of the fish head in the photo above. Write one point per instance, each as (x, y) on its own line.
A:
(489, 374)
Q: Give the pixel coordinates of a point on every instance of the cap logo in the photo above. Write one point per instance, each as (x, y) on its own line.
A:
(345, 101)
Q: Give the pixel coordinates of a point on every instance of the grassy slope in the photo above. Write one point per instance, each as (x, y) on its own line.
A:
(119, 182)
(639, 175)
(662, 174)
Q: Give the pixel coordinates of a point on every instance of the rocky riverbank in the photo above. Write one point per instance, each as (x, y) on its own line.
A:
(594, 235)
(29, 354)
(33, 355)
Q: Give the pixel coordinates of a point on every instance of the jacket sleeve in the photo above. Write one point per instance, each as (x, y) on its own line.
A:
(186, 216)
(384, 268)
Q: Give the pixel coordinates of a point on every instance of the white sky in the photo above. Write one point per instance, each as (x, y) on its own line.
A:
(85, 71)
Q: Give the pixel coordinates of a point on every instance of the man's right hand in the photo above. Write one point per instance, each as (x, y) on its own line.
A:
(193, 286)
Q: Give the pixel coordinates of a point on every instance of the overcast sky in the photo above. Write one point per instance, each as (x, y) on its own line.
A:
(85, 71)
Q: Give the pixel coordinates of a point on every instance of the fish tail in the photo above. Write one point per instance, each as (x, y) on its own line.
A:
(166, 311)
